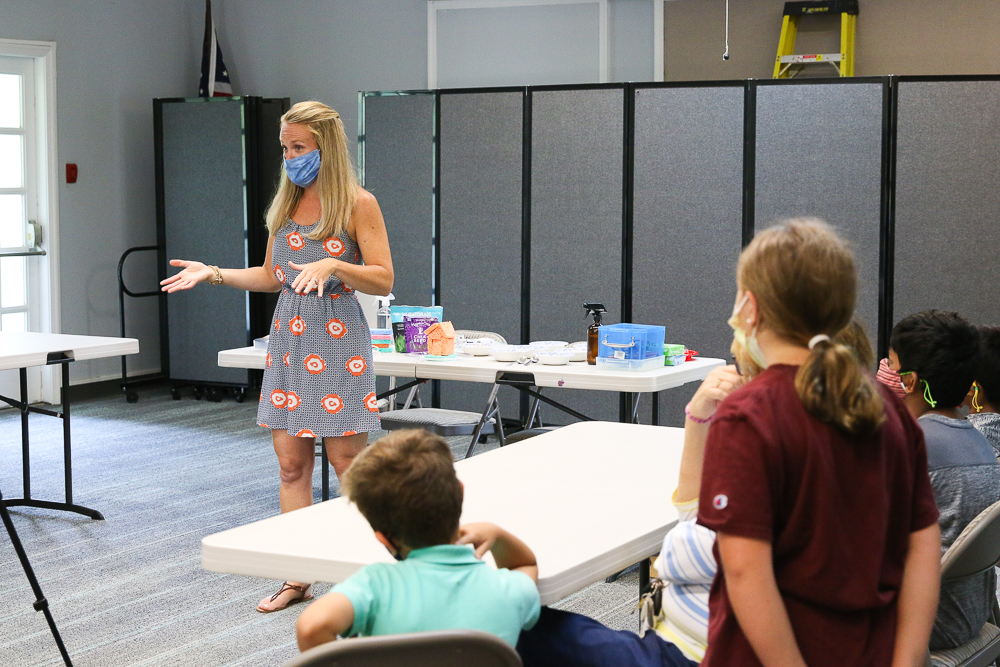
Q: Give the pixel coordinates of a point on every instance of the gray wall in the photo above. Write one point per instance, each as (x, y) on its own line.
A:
(480, 246)
(819, 153)
(112, 59)
(687, 215)
(576, 224)
(947, 200)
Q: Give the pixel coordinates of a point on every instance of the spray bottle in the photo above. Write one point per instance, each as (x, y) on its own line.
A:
(383, 317)
(594, 310)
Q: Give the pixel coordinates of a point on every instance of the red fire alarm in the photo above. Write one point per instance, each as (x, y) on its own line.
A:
(70, 172)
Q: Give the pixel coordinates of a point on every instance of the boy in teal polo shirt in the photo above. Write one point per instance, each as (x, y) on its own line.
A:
(405, 486)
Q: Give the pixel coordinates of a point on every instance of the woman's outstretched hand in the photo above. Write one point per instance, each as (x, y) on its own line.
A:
(312, 276)
(719, 383)
(193, 273)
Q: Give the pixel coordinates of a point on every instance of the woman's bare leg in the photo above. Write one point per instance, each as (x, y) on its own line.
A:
(296, 457)
(341, 451)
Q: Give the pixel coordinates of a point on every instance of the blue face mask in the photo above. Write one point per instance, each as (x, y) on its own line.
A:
(304, 169)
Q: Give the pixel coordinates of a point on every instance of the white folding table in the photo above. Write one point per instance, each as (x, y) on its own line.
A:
(571, 495)
(466, 368)
(23, 350)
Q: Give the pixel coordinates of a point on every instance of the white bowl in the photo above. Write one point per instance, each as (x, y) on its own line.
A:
(556, 356)
(577, 353)
(478, 348)
(512, 352)
(545, 344)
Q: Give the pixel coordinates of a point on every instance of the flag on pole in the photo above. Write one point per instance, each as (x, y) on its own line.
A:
(214, 75)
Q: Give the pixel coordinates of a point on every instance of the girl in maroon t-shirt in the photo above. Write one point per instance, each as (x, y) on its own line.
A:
(814, 479)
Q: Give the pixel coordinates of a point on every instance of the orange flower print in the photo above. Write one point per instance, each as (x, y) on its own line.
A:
(315, 364)
(355, 256)
(267, 359)
(286, 359)
(297, 326)
(332, 403)
(295, 241)
(293, 400)
(277, 325)
(348, 290)
(371, 402)
(279, 399)
(356, 365)
(336, 328)
(305, 433)
(264, 426)
(279, 274)
(334, 246)
(335, 296)
(347, 433)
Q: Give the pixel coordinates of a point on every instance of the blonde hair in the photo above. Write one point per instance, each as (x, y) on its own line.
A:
(802, 275)
(338, 182)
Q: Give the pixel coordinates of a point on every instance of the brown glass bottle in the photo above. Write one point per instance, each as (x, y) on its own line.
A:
(592, 343)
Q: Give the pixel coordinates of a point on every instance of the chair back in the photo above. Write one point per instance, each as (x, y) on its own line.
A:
(446, 648)
(977, 548)
(471, 334)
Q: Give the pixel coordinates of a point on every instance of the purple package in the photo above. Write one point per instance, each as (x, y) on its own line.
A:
(413, 329)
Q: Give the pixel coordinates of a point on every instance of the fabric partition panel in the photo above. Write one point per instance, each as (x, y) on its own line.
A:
(399, 171)
(204, 218)
(687, 221)
(479, 249)
(947, 199)
(576, 223)
(819, 153)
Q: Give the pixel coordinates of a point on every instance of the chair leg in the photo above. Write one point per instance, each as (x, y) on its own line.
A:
(500, 433)
(409, 398)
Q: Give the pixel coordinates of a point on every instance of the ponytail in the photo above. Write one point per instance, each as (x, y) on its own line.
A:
(834, 388)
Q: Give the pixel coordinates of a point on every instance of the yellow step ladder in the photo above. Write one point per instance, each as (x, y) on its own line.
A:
(787, 64)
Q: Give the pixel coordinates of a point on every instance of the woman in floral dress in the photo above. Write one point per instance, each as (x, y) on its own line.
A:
(327, 238)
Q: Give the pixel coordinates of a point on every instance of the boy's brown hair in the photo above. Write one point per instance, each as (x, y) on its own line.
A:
(405, 485)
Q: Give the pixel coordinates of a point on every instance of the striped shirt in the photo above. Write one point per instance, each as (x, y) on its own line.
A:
(687, 565)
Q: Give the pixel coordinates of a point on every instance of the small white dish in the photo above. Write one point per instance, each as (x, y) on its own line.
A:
(512, 352)
(555, 356)
(546, 344)
(478, 348)
(577, 353)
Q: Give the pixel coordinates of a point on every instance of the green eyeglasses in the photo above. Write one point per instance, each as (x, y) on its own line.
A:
(927, 390)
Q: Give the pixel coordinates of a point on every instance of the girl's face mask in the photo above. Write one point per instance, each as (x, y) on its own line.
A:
(745, 346)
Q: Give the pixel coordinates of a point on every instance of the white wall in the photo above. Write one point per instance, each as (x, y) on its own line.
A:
(114, 57)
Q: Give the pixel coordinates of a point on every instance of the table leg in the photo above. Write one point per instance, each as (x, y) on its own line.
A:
(25, 446)
(67, 456)
(643, 575)
(482, 420)
(325, 463)
(27, 500)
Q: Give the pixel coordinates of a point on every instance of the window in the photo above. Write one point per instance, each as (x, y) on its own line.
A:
(18, 189)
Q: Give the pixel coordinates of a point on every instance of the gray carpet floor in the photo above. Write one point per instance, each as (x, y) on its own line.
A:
(130, 590)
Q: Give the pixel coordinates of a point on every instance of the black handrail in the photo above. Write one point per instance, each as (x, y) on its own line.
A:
(122, 291)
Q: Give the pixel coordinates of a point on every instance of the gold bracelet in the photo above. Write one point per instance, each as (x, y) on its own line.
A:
(218, 275)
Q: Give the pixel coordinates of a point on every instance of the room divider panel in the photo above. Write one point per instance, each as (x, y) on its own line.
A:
(819, 147)
(398, 154)
(479, 230)
(687, 219)
(577, 144)
(947, 222)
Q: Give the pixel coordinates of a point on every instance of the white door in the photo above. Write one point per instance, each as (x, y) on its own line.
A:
(19, 304)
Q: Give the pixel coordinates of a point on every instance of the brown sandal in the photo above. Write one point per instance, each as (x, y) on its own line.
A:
(306, 596)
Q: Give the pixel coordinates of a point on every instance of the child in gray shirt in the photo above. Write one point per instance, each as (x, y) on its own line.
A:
(938, 355)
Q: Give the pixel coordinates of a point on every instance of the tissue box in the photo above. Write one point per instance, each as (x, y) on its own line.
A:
(441, 339)
(674, 354)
